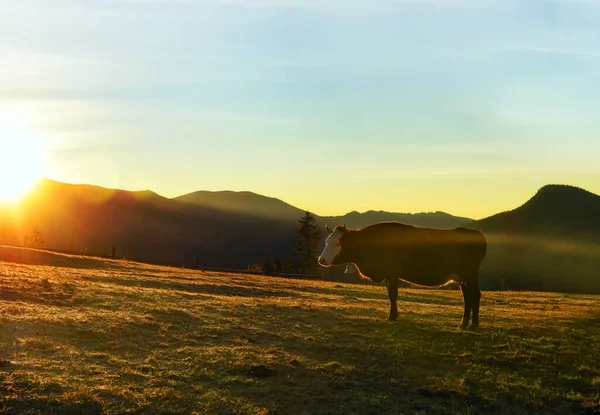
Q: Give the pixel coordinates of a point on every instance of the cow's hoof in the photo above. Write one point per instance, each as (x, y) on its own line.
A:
(463, 326)
(391, 318)
(474, 326)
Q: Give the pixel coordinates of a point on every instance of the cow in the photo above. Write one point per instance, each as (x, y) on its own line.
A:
(393, 251)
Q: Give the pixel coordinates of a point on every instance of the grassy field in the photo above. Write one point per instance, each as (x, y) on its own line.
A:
(86, 335)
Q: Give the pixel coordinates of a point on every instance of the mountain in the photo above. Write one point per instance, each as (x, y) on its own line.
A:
(554, 209)
(246, 203)
(144, 226)
(220, 229)
(551, 242)
(252, 204)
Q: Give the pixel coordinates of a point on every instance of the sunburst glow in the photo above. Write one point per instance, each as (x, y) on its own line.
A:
(22, 158)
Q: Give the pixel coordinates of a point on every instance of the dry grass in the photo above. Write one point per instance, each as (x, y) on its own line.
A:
(96, 336)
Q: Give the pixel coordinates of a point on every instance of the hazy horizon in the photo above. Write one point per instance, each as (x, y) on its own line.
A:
(463, 106)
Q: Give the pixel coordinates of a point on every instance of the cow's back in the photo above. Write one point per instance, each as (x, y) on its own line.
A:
(428, 256)
(437, 255)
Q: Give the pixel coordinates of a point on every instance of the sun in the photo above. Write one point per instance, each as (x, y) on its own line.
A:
(22, 158)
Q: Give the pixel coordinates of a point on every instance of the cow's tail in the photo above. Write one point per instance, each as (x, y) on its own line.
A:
(432, 287)
(484, 247)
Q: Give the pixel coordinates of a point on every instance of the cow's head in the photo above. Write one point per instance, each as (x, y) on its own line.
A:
(333, 247)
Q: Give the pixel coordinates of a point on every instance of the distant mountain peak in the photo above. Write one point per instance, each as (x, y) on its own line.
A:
(560, 189)
(566, 196)
(557, 186)
(244, 202)
(555, 206)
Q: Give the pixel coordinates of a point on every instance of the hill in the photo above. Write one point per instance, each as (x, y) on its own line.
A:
(554, 209)
(256, 205)
(246, 203)
(145, 226)
(551, 242)
(219, 229)
(93, 336)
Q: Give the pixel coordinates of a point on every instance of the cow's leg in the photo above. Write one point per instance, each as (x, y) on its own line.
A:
(476, 295)
(467, 298)
(392, 286)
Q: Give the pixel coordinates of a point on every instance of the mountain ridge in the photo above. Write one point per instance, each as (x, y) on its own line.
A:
(283, 210)
(293, 211)
(551, 242)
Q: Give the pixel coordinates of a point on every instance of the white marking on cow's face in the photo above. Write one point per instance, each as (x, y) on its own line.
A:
(333, 247)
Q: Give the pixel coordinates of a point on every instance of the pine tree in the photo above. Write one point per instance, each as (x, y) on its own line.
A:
(307, 243)
(268, 265)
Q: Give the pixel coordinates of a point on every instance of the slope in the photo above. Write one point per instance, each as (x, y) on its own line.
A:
(125, 337)
(260, 206)
(552, 242)
(554, 209)
(146, 226)
(247, 203)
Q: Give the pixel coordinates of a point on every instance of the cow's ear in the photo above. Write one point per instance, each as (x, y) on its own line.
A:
(344, 227)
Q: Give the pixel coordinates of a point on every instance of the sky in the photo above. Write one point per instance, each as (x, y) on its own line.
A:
(465, 106)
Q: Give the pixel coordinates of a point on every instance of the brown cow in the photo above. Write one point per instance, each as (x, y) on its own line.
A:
(392, 251)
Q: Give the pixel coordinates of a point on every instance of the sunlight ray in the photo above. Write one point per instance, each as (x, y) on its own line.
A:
(22, 157)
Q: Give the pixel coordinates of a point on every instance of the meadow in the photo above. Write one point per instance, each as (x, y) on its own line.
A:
(88, 335)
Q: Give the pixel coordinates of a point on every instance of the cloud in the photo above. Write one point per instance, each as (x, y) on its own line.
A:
(453, 149)
(545, 118)
(26, 58)
(593, 2)
(555, 51)
(333, 5)
(444, 172)
(280, 4)
(454, 4)
(340, 7)
(39, 94)
(77, 151)
(243, 118)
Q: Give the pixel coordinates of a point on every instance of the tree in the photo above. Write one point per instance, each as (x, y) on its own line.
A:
(278, 265)
(268, 265)
(307, 243)
(35, 239)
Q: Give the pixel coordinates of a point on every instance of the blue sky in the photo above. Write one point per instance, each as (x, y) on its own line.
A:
(458, 105)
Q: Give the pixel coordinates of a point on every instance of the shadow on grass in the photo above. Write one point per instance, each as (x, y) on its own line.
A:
(345, 365)
(30, 256)
(49, 405)
(342, 358)
(411, 366)
(258, 290)
(40, 292)
(197, 287)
